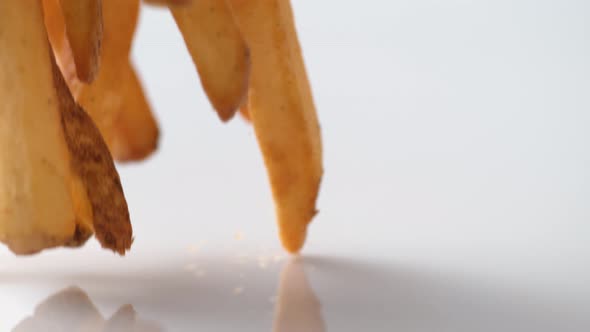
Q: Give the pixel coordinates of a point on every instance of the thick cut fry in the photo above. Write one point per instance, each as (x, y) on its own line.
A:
(115, 100)
(283, 113)
(218, 51)
(36, 207)
(83, 23)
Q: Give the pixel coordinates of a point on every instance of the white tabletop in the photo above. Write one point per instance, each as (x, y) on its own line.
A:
(456, 193)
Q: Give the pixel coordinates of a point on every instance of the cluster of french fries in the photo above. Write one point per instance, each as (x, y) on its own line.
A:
(71, 103)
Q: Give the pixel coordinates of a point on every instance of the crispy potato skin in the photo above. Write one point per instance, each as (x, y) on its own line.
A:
(282, 111)
(93, 164)
(83, 26)
(219, 52)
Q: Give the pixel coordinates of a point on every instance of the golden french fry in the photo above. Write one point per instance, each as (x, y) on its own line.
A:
(83, 25)
(36, 207)
(115, 100)
(218, 51)
(119, 23)
(283, 113)
(135, 131)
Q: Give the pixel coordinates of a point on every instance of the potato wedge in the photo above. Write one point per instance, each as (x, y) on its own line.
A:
(218, 51)
(83, 24)
(282, 111)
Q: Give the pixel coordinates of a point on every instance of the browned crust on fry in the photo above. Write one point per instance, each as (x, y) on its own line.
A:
(92, 162)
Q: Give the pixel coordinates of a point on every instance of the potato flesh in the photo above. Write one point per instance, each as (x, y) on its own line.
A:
(282, 111)
(218, 51)
(36, 208)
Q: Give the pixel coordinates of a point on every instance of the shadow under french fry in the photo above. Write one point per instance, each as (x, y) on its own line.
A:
(72, 310)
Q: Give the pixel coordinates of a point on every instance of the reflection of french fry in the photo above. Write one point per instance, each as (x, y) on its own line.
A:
(68, 310)
(283, 113)
(218, 51)
(297, 307)
(71, 310)
(83, 25)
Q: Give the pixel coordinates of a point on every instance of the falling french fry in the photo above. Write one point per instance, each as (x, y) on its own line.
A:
(218, 51)
(282, 111)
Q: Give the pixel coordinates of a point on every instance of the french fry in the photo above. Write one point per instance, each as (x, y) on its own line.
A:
(56, 31)
(93, 165)
(59, 181)
(83, 25)
(115, 100)
(36, 208)
(283, 114)
(135, 130)
(218, 51)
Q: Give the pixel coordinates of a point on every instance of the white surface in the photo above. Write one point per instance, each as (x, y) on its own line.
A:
(456, 194)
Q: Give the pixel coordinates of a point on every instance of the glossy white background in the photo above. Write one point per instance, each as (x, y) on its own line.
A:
(456, 195)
